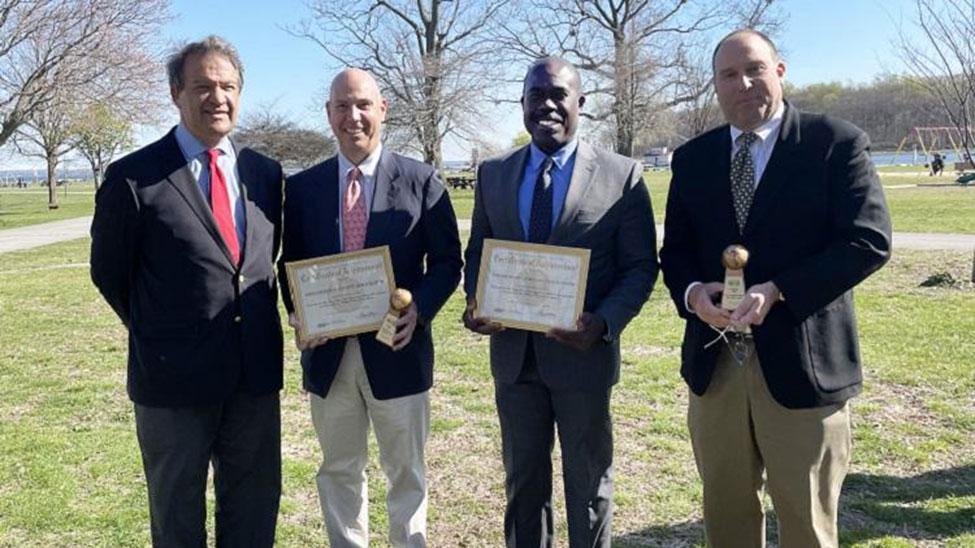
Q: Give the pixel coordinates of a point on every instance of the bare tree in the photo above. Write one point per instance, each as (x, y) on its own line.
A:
(276, 136)
(943, 59)
(47, 135)
(428, 56)
(98, 133)
(73, 48)
(636, 53)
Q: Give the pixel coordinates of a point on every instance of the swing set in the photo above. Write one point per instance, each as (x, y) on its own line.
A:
(933, 139)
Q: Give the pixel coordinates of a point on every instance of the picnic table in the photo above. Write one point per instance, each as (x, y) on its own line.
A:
(459, 181)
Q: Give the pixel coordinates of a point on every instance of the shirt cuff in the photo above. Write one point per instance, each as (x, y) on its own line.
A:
(687, 292)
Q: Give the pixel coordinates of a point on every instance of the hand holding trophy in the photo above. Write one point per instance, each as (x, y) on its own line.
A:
(734, 259)
(399, 301)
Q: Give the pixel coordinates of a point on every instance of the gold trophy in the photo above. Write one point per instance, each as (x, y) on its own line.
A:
(734, 258)
(399, 301)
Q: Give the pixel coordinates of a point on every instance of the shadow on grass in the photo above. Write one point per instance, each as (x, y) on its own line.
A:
(928, 506)
(688, 533)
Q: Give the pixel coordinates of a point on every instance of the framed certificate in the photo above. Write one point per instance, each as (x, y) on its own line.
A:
(343, 294)
(531, 286)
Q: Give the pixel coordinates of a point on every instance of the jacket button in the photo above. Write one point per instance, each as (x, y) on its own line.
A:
(237, 319)
(240, 279)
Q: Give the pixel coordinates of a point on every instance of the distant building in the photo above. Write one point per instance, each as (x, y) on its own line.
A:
(657, 157)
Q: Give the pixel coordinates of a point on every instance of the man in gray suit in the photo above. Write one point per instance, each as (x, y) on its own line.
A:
(560, 191)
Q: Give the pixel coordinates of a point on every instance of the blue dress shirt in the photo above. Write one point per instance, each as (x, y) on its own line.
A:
(564, 161)
(195, 153)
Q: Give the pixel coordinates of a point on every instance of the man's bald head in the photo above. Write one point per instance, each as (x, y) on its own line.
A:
(352, 76)
(550, 101)
(356, 111)
(553, 65)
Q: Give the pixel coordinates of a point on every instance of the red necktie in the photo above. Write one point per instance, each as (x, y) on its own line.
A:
(220, 203)
(354, 213)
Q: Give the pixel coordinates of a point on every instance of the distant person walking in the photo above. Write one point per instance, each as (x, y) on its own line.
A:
(937, 164)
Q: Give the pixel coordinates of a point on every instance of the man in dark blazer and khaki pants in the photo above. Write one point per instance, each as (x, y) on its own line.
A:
(183, 242)
(561, 191)
(800, 193)
(368, 197)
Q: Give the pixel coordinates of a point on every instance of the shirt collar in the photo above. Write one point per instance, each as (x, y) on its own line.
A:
(765, 130)
(560, 157)
(193, 148)
(367, 166)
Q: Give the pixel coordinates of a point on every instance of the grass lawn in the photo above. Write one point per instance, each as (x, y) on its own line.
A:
(70, 473)
(923, 209)
(932, 209)
(22, 207)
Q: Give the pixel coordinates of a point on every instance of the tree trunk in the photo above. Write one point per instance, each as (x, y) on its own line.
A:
(52, 185)
(623, 97)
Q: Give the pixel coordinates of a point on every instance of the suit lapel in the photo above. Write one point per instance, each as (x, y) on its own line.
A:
(722, 173)
(185, 184)
(777, 173)
(383, 199)
(244, 176)
(512, 173)
(327, 206)
(583, 173)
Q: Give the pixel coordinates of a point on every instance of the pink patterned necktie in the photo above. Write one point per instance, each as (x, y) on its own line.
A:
(353, 213)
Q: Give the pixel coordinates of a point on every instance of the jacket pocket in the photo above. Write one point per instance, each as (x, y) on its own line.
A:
(832, 346)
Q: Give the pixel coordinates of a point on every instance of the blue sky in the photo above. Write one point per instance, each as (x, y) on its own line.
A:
(823, 40)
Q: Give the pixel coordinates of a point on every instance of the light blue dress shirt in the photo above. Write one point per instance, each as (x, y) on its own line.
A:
(564, 161)
(195, 153)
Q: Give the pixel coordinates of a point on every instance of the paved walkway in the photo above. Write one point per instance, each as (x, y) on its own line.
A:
(902, 240)
(27, 237)
(15, 239)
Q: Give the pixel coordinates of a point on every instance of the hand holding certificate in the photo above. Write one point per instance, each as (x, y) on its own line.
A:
(341, 295)
(531, 286)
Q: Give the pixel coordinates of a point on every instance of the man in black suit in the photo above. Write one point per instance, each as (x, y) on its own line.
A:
(183, 244)
(800, 193)
(367, 197)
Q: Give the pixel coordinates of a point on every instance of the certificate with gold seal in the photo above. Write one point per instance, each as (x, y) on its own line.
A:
(531, 286)
(343, 294)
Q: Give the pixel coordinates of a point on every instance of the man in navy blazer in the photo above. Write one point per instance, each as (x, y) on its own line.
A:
(183, 243)
(366, 197)
(800, 193)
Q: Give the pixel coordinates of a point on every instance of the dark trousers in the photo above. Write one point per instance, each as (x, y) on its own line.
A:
(528, 413)
(242, 438)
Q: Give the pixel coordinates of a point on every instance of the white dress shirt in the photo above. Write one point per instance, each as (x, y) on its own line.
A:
(761, 151)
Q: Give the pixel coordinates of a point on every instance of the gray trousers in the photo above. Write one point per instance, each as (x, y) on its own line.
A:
(242, 439)
(529, 412)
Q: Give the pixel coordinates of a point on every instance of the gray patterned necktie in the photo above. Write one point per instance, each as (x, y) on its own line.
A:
(743, 178)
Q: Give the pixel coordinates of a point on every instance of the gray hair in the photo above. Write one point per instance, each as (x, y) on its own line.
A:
(210, 44)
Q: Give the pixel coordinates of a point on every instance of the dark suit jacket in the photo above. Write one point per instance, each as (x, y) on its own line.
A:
(818, 225)
(411, 213)
(607, 210)
(199, 327)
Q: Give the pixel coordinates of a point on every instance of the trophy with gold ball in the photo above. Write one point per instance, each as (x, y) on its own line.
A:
(734, 258)
(399, 301)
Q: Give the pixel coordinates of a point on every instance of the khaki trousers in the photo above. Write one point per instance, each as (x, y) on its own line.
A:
(402, 425)
(739, 431)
